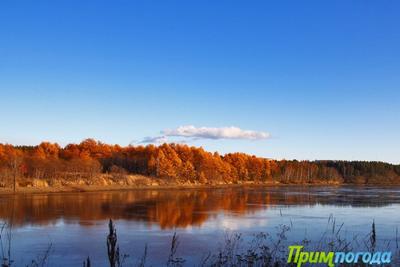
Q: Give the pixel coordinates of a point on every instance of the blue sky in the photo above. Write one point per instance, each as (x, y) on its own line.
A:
(321, 77)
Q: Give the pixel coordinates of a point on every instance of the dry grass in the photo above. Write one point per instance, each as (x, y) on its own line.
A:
(263, 249)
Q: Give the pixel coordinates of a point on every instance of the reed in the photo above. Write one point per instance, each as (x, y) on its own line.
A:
(263, 249)
(266, 249)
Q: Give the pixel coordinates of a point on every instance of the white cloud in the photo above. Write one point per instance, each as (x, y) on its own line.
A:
(215, 133)
(155, 140)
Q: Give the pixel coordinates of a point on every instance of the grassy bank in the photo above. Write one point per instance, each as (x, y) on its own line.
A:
(127, 182)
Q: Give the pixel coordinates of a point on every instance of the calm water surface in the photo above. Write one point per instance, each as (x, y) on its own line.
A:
(76, 223)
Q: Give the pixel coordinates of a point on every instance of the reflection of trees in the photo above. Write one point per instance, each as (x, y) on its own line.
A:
(175, 208)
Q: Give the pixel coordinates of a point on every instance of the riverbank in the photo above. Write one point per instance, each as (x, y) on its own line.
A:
(129, 182)
(99, 188)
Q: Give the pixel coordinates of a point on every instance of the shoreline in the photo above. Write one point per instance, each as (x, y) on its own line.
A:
(116, 187)
(104, 188)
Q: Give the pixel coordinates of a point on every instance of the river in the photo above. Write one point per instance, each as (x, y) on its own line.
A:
(74, 225)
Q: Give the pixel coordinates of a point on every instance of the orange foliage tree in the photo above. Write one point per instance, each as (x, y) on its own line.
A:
(177, 163)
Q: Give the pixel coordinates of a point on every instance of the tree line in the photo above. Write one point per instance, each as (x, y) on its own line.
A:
(178, 163)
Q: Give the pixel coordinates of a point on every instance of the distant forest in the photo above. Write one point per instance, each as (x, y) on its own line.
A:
(176, 163)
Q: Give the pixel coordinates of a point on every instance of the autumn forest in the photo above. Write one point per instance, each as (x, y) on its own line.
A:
(174, 164)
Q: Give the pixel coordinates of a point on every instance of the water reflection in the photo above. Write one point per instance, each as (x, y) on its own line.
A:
(180, 208)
